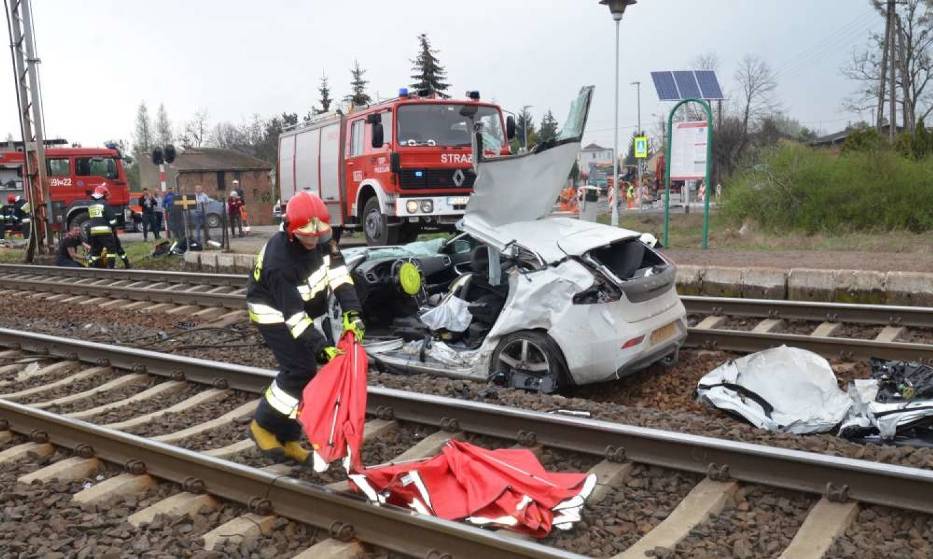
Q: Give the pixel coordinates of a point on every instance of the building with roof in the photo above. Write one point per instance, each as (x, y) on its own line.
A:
(594, 154)
(215, 169)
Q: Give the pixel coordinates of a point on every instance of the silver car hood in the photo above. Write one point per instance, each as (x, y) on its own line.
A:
(523, 187)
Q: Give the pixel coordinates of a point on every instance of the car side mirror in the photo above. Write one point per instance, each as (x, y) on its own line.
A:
(378, 135)
(510, 127)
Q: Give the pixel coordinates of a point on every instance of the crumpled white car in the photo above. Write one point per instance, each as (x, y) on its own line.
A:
(541, 303)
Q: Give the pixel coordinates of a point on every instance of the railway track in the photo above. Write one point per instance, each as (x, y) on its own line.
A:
(830, 490)
(834, 330)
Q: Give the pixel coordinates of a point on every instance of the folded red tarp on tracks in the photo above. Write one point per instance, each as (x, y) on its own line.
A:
(333, 407)
(506, 487)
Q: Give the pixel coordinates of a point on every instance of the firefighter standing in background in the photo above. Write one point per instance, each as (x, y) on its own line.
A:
(103, 231)
(6, 214)
(295, 272)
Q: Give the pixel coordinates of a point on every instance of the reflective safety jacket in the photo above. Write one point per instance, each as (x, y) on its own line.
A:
(102, 220)
(290, 285)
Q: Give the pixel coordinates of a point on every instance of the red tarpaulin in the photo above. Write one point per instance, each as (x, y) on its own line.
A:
(506, 487)
(333, 407)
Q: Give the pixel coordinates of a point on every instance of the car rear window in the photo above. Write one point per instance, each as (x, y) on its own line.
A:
(628, 259)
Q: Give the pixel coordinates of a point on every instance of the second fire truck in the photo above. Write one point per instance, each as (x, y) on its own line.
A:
(394, 168)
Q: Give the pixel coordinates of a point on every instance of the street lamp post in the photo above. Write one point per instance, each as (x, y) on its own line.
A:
(617, 8)
(638, 162)
(525, 126)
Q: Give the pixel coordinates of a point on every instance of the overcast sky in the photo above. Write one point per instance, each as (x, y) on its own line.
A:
(236, 58)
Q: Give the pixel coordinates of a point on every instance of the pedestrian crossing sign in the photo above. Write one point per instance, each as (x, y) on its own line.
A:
(641, 147)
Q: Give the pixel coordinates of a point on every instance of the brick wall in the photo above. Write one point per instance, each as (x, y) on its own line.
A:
(256, 186)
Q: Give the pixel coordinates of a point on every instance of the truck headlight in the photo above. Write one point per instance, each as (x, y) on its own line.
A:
(427, 206)
(411, 206)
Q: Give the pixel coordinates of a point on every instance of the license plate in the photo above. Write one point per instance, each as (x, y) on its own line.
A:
(458, 200)
(664, 333)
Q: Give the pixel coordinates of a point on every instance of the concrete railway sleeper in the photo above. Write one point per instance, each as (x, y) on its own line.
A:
(820, 496)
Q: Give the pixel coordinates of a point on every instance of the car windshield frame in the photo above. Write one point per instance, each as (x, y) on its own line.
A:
(442, 124)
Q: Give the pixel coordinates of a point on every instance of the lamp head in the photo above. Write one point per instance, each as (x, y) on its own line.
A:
(617, 7)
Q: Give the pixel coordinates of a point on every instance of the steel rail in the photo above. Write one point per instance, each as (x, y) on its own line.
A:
(845, 348)
(266, 493)
(921, 317)
(229, 301)
(870, 482)
(234, 280)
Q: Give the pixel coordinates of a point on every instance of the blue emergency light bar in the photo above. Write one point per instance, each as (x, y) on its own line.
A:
(403, 92)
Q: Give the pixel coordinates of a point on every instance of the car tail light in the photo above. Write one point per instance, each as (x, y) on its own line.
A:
(633, 342)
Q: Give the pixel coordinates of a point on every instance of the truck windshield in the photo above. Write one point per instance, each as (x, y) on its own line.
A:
(443, 125)
(96, 167)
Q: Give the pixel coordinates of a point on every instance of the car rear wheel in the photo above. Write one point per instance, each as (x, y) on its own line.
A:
(213, 221)
(531, 360)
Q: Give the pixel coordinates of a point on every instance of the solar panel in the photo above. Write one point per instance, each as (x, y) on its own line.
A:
(709, 85)
(665, 86)
(687, 84)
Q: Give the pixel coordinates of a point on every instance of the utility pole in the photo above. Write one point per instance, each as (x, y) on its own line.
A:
(29, 100)
(892, 64)
(525, 120)
(882, 75)
(638, 162)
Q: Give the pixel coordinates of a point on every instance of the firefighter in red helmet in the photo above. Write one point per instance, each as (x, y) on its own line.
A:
(295, 272)
(102, 231)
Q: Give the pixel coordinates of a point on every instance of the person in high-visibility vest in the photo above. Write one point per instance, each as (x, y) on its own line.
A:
(102, 231)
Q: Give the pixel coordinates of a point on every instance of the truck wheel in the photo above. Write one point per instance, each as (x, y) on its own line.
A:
(376, 226)
(81, 221)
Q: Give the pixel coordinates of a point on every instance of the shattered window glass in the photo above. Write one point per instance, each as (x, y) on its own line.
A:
(576, 120)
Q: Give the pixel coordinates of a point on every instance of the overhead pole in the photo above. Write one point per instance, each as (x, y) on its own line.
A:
(638, 162)
(892, 64)
(882, 81)
(29, 100)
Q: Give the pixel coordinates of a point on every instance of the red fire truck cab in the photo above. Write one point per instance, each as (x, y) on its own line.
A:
(395, 168)
(72, 174)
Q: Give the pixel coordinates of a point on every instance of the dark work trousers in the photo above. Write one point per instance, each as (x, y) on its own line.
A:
(297, 366)
(98, 244)
(67, 263)
(236, 220)
(149, 224)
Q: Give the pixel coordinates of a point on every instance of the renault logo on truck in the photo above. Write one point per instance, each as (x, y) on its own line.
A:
(458, 177)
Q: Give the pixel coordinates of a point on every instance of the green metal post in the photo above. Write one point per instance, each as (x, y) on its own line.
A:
(667, 165)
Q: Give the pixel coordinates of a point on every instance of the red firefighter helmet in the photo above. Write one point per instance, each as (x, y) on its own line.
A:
(306, 216)
(11, 198)
(101, 191)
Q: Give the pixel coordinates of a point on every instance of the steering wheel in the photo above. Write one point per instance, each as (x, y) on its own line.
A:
(406, 274)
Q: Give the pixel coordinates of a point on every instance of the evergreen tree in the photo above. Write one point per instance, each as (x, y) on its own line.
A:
(142, 135)
(524, 120)
(548, 129)
(428, 73)
(921, 143)
(324, 91)
(359, 97)
(163, 128)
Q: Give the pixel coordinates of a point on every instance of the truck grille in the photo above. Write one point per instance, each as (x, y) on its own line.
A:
(435, 178)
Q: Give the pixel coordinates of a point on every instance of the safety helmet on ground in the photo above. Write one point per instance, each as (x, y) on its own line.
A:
(10, 198)
(307, 216)
(101, 191)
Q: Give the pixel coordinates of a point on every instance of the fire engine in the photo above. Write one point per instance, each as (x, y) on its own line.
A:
(72, 174)
(394, 168)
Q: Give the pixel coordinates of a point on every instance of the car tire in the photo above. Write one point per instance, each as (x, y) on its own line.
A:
(376, 226)
(532, 354)
(213, 221)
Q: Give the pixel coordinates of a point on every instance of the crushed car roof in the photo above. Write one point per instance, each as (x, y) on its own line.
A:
(556, 238)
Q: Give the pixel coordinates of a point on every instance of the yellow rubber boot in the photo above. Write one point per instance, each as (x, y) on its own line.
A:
(295, 451)
(266, 442)
(272, 447)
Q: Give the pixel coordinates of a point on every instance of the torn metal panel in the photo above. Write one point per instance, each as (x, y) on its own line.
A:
(780, 389)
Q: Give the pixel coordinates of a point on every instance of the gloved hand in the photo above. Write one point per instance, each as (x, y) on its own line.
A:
(328, 353)
(352, 322)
